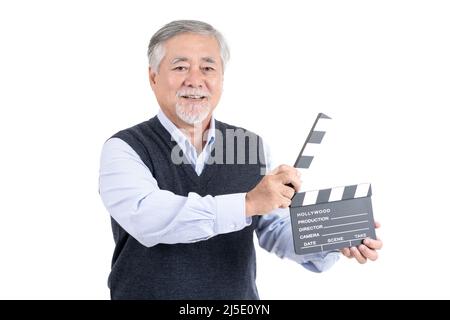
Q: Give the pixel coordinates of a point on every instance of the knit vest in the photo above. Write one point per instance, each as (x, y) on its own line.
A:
(222, 267)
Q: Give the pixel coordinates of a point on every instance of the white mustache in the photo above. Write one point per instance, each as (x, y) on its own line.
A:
(192, 92)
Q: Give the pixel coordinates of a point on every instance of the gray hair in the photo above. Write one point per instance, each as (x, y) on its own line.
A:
(156, 52)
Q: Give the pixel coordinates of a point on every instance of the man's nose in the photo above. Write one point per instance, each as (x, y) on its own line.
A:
(194, 79)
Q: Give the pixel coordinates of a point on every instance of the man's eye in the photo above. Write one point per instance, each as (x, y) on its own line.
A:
(208, 69)
(180, 68)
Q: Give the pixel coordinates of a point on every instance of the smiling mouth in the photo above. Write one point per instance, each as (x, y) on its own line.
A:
(193, 97)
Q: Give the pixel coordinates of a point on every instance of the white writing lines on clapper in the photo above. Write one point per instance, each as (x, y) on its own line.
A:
(353, 215)
(330, 234)
(329, 244)
(346, 224)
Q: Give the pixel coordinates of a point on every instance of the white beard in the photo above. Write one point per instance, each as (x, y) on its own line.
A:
(192, 113)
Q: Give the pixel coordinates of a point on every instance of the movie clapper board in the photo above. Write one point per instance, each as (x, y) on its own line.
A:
(333, 218)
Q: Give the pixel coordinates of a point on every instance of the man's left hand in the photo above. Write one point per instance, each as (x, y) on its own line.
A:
(367, 250)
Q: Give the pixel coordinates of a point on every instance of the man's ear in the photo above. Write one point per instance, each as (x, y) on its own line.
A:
(152, 77)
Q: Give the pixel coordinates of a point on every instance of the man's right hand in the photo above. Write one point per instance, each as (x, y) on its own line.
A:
(272, 191)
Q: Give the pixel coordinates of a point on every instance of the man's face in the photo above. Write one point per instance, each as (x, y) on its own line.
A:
(188, 85)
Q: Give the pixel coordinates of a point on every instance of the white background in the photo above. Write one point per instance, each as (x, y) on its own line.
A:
(72, 73)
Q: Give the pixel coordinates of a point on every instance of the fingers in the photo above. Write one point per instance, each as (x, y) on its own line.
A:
(295, 181)
(373, 244)
(280, 169)
(290, 176)
(368, 253)
(358, 256)
(285, 203)
(287, 192)
(377, 225)
(365, 251)
(272, 192)
(346, 252)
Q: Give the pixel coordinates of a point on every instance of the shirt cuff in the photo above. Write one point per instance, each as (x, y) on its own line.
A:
(320, 262)
(230, 214)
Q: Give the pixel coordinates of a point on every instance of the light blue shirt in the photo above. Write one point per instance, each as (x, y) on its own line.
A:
(132, 197)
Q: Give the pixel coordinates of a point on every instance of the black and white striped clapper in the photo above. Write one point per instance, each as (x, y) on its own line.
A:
(332, 218)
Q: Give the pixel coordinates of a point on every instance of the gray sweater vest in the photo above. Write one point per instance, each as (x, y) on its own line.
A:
(222, 267)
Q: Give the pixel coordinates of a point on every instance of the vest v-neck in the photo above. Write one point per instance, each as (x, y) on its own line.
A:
(208, 170)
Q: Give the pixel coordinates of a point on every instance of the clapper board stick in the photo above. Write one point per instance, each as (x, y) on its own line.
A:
(304, 161)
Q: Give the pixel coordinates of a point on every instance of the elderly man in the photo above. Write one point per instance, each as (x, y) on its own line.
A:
(184, 229)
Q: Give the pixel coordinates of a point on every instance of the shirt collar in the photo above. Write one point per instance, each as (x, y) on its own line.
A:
(178, 136)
